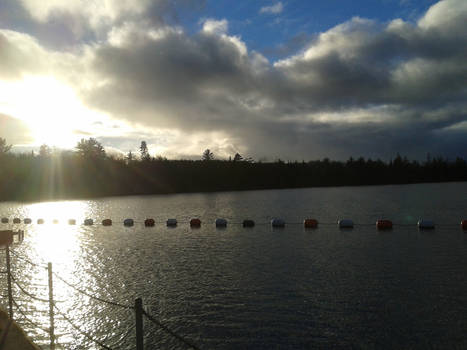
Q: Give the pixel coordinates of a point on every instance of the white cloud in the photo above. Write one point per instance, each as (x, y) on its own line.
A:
(213, 26)
(273, 9)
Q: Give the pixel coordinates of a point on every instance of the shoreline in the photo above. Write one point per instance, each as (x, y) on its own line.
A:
(197, 191)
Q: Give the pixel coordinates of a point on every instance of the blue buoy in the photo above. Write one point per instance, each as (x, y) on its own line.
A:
(171, 222)
(128, 222)
(277, 223)
(248, 223)
(221, 222)
(345, 223)
(426, 224)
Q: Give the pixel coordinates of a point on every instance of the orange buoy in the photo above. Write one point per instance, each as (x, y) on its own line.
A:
(310, 223)
(149, 222)
(106, 222)
(464, 224)
(384, 224)
(195, 222)
(55, 221)
(17, 221)
(71, 222)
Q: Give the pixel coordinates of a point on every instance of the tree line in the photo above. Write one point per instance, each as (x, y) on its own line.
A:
(88, 171)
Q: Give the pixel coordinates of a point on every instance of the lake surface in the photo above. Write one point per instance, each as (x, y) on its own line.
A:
(252, 288)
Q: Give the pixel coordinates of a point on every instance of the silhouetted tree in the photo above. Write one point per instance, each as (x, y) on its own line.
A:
(143, 149)
(4, 147)
(207, 155)
(237, 157)
(129, 157)
(90, 148)
(45, 151)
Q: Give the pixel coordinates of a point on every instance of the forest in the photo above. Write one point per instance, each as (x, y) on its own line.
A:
(88, 172)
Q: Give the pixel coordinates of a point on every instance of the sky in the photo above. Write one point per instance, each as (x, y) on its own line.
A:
(296, 79)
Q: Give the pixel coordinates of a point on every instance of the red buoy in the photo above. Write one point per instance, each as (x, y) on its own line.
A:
(464, 224)
(149, 222)
(195, 222)
(310, 223)
(384, 224)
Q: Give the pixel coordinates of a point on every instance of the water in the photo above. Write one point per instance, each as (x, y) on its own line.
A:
(255, 288)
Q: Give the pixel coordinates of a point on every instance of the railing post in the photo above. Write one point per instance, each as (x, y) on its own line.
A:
(51, 308)
(139, 323)
(10, 294)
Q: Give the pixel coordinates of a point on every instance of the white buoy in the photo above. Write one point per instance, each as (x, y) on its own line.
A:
(221, 222)
(426, 224)
(277, 223)
(171, 222)
(345, 223)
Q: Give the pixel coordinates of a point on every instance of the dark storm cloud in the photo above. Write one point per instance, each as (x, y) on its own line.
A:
(211, 82)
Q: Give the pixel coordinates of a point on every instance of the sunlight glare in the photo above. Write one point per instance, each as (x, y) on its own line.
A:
(50, 108)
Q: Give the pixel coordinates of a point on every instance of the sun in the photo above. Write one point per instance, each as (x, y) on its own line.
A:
(50, 108)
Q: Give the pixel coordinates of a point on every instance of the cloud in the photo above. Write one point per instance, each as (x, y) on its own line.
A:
(360, 88)
(212, 26)
(14, 131)
(273, 9)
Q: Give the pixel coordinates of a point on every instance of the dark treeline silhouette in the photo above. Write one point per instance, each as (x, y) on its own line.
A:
(89, 172)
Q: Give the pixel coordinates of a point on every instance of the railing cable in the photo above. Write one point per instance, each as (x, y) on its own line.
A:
(114, 303)
(85, 334)
(27, 260)
(169, 331)
(26, 292)
(28, 319)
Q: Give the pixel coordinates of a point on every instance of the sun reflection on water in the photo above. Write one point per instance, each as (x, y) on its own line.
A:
(60, 243)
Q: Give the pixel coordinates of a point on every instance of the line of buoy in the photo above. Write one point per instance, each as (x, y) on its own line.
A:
(381, 224)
